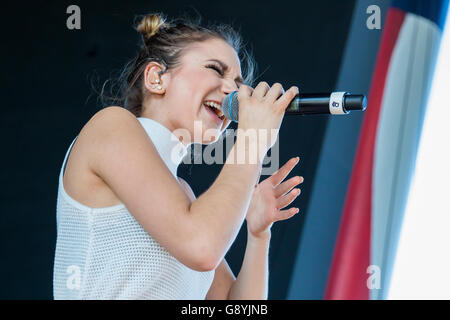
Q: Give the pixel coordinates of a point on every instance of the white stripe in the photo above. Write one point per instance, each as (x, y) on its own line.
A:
(406, 91)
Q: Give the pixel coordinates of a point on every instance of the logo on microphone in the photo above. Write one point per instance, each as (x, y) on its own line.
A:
(336, 104)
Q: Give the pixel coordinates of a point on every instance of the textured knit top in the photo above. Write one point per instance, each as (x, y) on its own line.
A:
(104, 253)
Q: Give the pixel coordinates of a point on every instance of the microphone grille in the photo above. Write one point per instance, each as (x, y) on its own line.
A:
(230, 107)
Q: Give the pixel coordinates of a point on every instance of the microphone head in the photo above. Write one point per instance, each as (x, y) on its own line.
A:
(230, 107)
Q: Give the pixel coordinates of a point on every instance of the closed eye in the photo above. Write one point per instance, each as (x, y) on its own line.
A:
(216, 68)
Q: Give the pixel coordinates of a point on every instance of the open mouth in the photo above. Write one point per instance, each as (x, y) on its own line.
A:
(215, 108)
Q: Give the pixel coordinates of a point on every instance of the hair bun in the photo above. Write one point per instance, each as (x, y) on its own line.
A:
(150, 25)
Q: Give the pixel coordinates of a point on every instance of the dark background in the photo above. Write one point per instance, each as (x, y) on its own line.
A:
(47, 98)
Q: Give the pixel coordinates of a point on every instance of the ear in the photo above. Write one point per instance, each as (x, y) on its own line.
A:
(154, 82)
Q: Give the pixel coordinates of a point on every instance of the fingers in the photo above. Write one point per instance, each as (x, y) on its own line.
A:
(244, 92)
(274, 92)
(261, 90)
(282, 173)
(286, 98)
(288, 198)
(287, 185)
(286, 214)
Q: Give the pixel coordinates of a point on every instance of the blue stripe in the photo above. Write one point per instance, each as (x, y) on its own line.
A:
(229, 106)
(434, 10)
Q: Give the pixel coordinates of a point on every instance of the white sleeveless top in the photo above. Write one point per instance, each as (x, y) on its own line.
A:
(104, 253)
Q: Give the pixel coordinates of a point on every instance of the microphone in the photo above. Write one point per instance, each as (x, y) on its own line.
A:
(306, 103)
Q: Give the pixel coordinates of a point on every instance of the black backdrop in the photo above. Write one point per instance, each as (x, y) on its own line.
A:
(47, 98)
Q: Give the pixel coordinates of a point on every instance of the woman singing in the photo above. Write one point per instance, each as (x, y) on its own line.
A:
(127, 226)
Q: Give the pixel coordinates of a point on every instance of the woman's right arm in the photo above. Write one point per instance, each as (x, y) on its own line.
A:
(197, 234)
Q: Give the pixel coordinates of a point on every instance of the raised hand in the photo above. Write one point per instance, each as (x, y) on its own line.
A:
(269, 197)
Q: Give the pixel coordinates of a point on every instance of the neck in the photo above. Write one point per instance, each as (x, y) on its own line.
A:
(169, 147)
(163, 119)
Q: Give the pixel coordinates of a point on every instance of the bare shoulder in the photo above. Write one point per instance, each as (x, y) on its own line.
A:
(110, 127)
(108, 122)
(110, 118)
(81, 179)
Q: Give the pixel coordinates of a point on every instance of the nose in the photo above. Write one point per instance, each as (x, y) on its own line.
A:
(229, 86)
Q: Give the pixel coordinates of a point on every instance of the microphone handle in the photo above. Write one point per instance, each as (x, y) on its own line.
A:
(319, 103)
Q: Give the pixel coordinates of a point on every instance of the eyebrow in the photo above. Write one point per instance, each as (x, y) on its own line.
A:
(225, 67)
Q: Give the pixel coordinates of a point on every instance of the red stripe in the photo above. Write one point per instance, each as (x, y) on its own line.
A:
(347, 278)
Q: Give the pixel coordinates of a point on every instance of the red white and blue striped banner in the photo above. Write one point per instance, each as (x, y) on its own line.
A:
(385, 159)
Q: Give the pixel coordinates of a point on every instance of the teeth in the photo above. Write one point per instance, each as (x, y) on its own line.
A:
(215, 105)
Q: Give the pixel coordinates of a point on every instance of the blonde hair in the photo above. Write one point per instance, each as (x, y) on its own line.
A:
(150, 25)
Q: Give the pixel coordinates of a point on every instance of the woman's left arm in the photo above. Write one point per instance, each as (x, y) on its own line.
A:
(252, 281)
